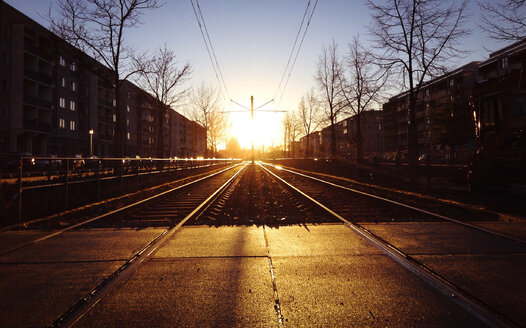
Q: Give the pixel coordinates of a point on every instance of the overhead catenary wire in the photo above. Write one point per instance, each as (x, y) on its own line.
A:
(209, 48)
(298, 51)
(292, 50)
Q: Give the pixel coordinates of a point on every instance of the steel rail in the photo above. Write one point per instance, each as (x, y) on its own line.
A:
(126, 271)
(58, 232)
(479, 309)
(446, 218)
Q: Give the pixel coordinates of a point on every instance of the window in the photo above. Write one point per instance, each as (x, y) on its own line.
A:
(128, 108)
(72, 125)
(63, 82)
(504, 62)
(73, 86)
(62, 102)
(73, 66)
(61, 123)
(72, 105)
(114, 118)
(61, 61)
(114, 102)
(127, 121)
(128, 135)
(129, 95)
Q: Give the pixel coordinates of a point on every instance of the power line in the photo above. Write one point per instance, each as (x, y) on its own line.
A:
(292, 50)
(212, 47)
(209, 48)
(298, 50)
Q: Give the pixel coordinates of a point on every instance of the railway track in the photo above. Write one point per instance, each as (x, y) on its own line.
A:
(364, 213)
(177, 206)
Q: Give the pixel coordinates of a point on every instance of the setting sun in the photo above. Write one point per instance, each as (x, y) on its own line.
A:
(265, 130)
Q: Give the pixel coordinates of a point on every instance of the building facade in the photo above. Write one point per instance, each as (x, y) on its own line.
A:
(52, 95)
(500, 96)
(444, 120)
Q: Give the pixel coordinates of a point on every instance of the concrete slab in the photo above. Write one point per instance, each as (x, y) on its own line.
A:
(317, 240)
(85, 245)
(442, 238)
(191, 292)
(203, 277)
(10, 239)
(499, 280)
(204, 241)
(512, 228)
(34, 295)
(360, 291)
(329, 276)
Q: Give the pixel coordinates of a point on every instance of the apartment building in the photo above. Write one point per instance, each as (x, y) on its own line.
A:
(371, 128)
(52, 95)
(500, 94)
(443, 117)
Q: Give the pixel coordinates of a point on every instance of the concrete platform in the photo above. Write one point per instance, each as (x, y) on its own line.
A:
(325, 276)
(203, 277)
(336, 279)
(492, 268)
(40, 282)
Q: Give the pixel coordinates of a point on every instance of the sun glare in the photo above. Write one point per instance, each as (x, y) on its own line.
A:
(264, 131)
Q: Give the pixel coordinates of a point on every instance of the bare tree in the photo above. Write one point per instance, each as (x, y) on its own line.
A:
(98, 27)
(504, 19)
(327, 77)
(204, 110)
(309, 117)
(417, 39)
(220, 127)
(160, 75)
(361, 84)
(291, 128)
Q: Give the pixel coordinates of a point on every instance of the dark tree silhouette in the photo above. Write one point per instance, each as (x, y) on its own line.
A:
(504, 19)
(416, 39)
(360, 85)
(160, 75)
(328, 76)
(309, 116)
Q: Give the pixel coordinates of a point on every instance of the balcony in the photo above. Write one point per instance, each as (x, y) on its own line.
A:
(37, 102)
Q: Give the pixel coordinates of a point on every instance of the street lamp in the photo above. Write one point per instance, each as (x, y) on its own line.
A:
(91, 142)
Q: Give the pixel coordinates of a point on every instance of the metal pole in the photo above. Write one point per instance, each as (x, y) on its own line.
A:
(120, 174)
(98, 179)
(252, 118)
(20, 192)
(67, 183)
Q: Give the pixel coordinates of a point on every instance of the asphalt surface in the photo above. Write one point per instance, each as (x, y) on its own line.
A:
(324, 276)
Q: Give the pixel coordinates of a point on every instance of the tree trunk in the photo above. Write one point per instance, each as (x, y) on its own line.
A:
(359, 141)
(333, 138)
(307, 152)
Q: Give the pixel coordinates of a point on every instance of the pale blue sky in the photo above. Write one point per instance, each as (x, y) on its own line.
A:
(252, 40)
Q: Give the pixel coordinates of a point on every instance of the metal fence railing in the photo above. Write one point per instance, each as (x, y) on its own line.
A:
(37, 186)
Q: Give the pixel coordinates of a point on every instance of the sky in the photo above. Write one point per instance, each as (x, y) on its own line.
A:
(252, 41)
